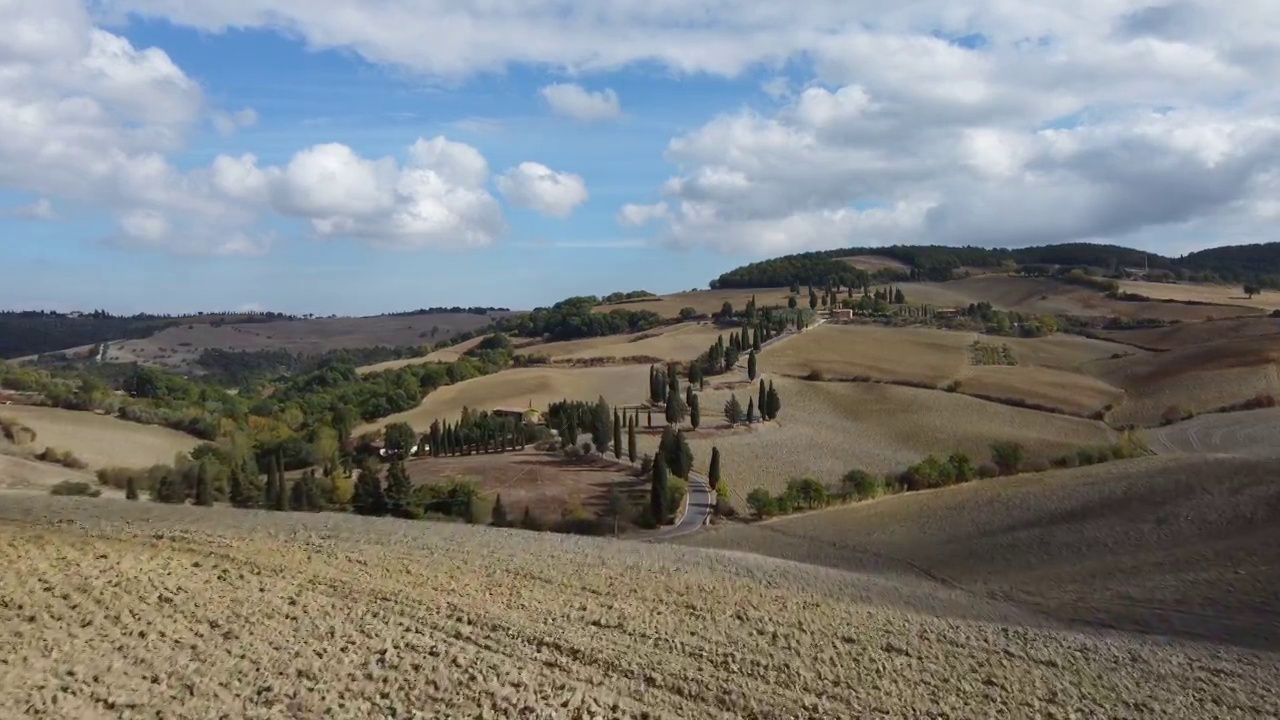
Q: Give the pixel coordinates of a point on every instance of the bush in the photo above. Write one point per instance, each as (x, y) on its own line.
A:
(64, 458)
(646, 464)
(963, 467)
(676, 490)
(1008, 457)
(1038, 466)
(816, 376)
(761, 503)
(75, 488)
(929, 473)
(805, 492)
(988, 471)
(862, 485)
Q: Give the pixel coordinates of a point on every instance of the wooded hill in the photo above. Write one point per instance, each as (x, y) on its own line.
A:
(1255, 264)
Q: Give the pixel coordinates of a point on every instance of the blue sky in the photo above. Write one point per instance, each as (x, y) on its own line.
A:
(176, 156)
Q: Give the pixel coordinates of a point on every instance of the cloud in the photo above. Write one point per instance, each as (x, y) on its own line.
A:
(638, 215)
(41, 209)
(537, 187)
(573, 101)
(226, 124)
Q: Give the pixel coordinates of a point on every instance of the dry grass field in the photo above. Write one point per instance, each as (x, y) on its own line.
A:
(1252, 433)
(100, 440)
(705, 301)
(876, 263)
(681, 342)
(1195, 292)
(828, 428)
(22, 473)
(1171, 546)
(178, 347)
(131, 610)
(545, 483)
(525, 387)
(1048, 372)
(1184, 335)
(1049, 297)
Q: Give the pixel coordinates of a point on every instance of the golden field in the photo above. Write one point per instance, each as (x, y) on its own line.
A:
(100, 440)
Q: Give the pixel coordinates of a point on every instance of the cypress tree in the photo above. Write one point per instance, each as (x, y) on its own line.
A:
(368, 498)
(602, 427)
(204, 486)
(498, 518)
(733, 410)
(282, 489)
(677, 410)
(658, 491)
(272, 488)
(713, 475)
(763, 401)
(631, 440)
(695, 412)
(650, 421)
(899, 298)
(681, 459)
(131, 488)
(775, 403)
(751, 410)
(813, 299)
(617, 435)
(399, 492)
(755, 341)
(435, 438)
(751, 366)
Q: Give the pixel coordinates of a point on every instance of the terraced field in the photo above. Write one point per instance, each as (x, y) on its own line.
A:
(139, 610)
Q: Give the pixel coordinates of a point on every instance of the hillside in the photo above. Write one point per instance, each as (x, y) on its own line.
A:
(1232, 264)
(33, 332)
(99, 440)
(191, 612)
(1171, 546)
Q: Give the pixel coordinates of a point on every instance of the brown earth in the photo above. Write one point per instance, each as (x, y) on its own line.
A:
(132, 610)
(675, 343)
(1196, 292)
(1170, 546)
(1185, 335)
(546, 483)
(875, 263)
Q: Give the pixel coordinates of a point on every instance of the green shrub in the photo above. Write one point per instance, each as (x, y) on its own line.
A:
(806, 492)
(862, 485)
(963, 467)
(761, 503)
(75, 488)
(1008, 457)
(64, 458)
(932, 472)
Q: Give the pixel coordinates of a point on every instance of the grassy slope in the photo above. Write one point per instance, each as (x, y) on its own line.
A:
(360, 618)
(1182, 546)
(99, 440)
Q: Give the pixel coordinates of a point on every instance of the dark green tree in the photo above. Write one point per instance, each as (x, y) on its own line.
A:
(435, 438)
(281, 497)
(649, 421)
(602, 425)
(695, 412)
(762, 402)
(617, 435)
(658, 491)
(733, 410)
(791, 302)
(681, 457)
(631, 440)
(204, 486)
(275, 485)
(695, 375)
(368, 497)
(713, 475)
(399, 439)
(131, 488)
(726, 310)
(775, 403)
(795, 288)
(498, 518)
(813, 299)
(756, 341)
(399, 492)
(751, 366)
(751, 410)
(899, 298)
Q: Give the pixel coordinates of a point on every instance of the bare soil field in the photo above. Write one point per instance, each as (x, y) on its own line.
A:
(1252, 433)
(100, 440)
(137, 610)
(546, 483)
(1049, 297)
(444, 355)
(1184, 335)
(1196, 292)
(828, 428)
(178, 347)
(1194, 379)
(705, 301)
(526, 387)
(1170, 546)
(682, 342)
(1070, 392)
(876, 263)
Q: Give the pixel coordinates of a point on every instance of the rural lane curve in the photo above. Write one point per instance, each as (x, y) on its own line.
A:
(701, 501)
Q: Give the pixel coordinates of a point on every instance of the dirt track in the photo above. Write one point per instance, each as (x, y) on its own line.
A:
(126, 610)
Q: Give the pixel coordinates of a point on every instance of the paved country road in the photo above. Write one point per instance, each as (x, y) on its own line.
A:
(701, 502)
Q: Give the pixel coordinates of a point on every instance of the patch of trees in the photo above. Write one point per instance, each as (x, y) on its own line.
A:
(618, 297)
(240, 368)
(574, 318)
(455, 310)
(474, 433)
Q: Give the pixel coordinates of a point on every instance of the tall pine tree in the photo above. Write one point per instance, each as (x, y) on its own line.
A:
(631, 440)
(695, 412)
(762, 402)
(713, 475)
(399, 491)
(751, 410)
(775, 402)
(617, 435)
(733, 410)
(751, 366)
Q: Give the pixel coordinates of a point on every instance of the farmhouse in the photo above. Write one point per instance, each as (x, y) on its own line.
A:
(525, 415)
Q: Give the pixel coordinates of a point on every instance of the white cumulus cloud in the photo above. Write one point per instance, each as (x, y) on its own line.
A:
(533, 186)
(576, 102)
(227, 123)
